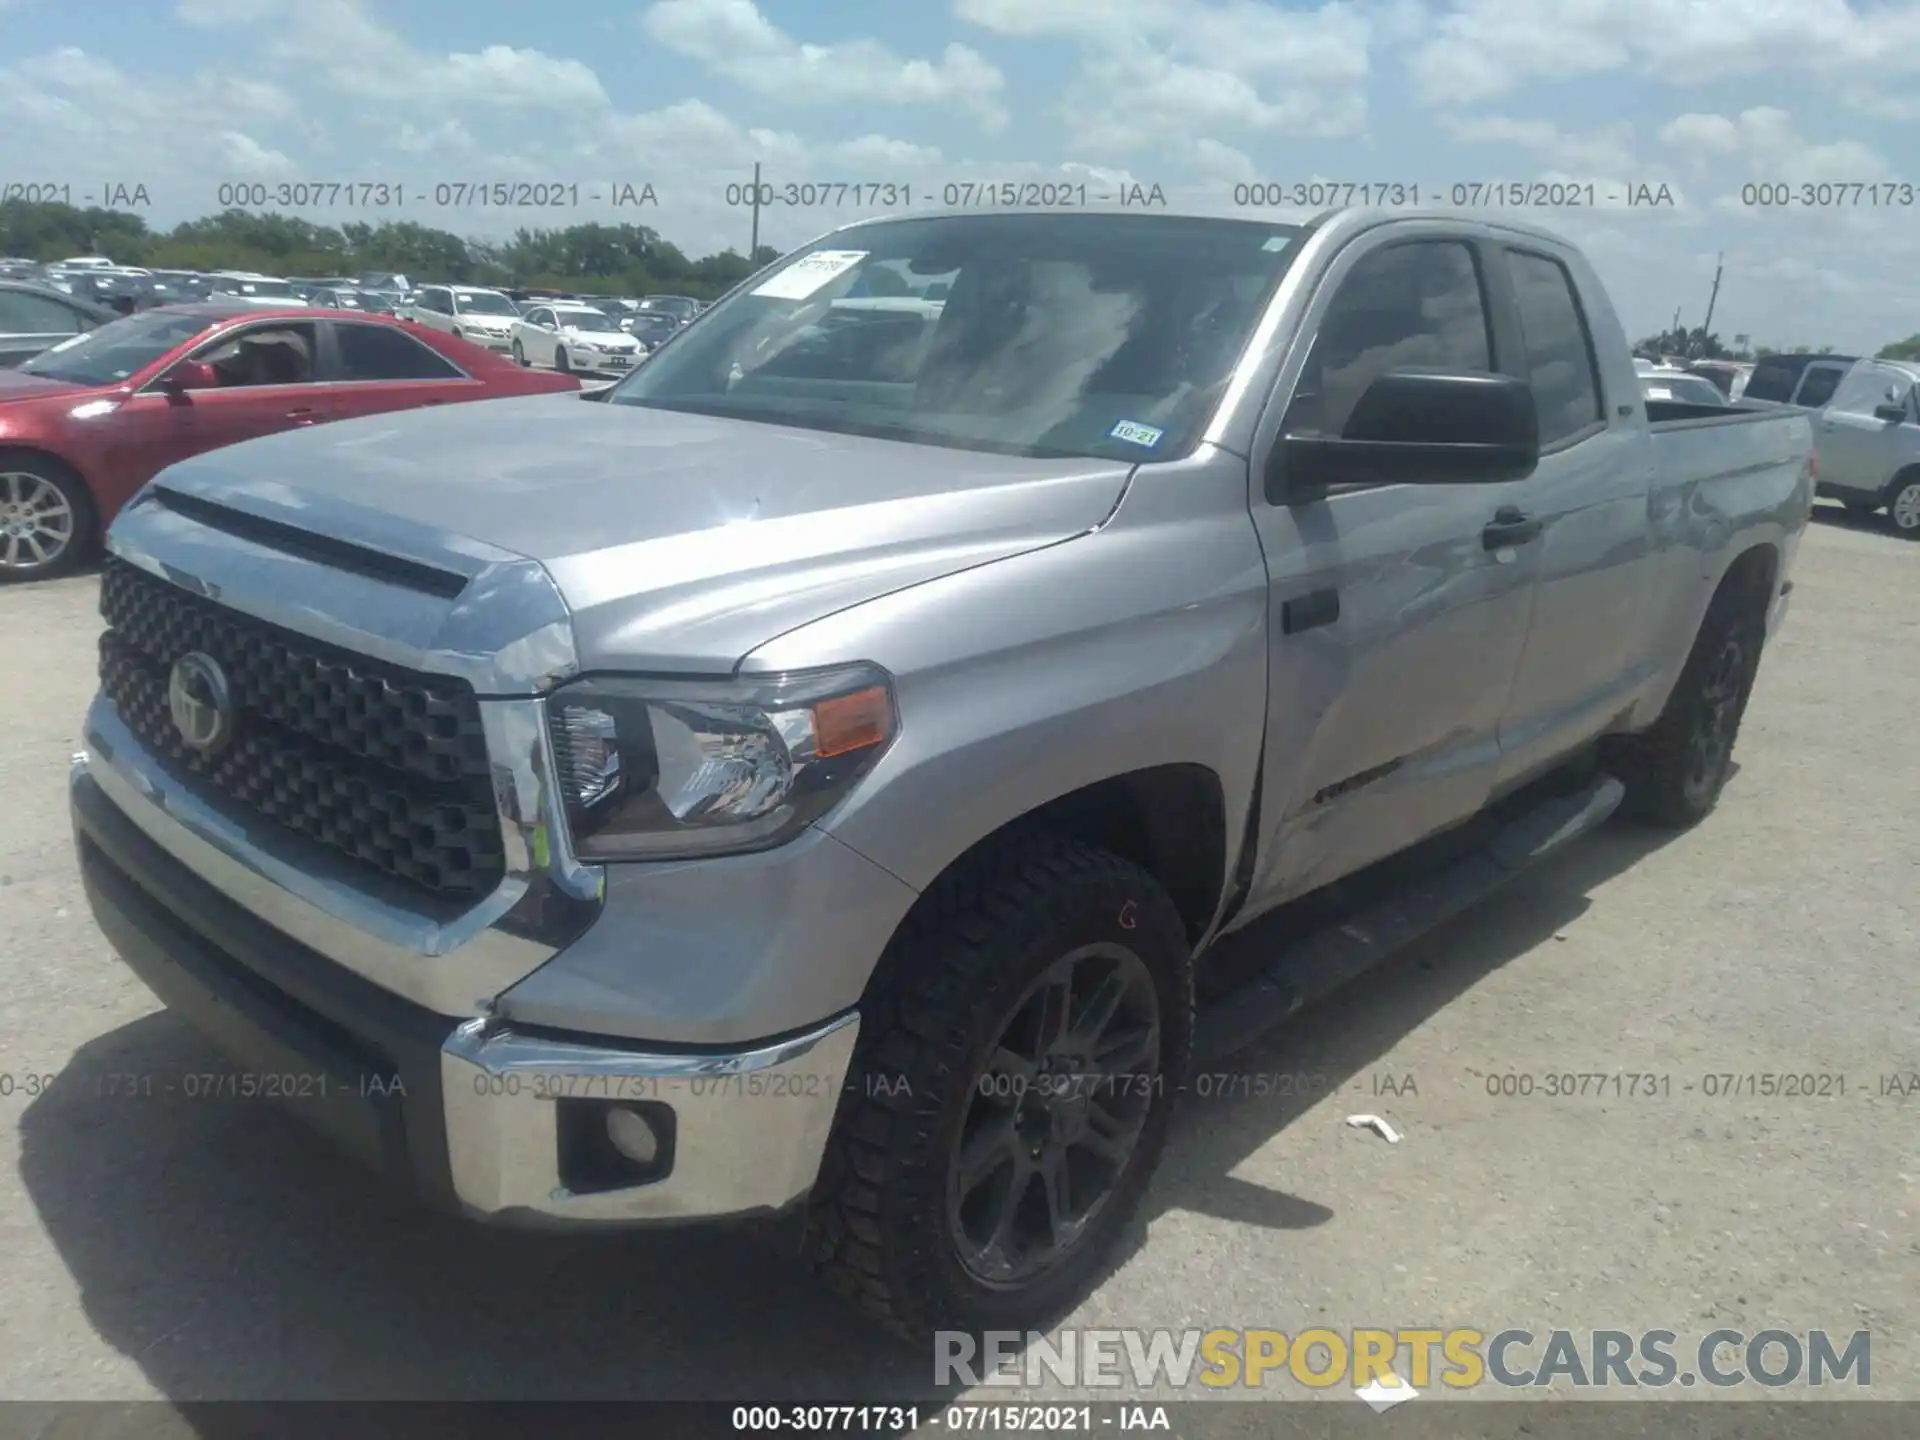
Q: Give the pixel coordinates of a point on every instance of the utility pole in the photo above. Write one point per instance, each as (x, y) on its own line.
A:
(753, 248)
(1706, 327)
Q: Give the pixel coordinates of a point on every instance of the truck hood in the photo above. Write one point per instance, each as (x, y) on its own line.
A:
(678, 542)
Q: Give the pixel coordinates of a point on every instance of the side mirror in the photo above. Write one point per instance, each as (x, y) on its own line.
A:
(190, 375)
(1414, 427)
(1891, 413)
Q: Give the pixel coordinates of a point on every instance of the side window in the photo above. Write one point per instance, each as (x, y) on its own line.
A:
(24, 314)
(1565, 380)
(1817, 389)
(380, 352)
(1868, 387)
(268, 355)
(541, 316)
(1419, 303)
(1771, 380)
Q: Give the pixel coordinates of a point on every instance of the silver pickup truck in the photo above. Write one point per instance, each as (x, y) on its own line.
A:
(853, 769)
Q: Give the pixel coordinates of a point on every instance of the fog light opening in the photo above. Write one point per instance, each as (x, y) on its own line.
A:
(632, 1134)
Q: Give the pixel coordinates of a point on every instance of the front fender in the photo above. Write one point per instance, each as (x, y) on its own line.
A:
(1140, 644)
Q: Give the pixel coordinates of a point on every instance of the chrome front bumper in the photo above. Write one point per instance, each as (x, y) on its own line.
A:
(749, 1126)
(470, 1113)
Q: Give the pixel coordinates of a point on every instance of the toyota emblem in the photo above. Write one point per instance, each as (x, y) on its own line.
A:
(201, 702)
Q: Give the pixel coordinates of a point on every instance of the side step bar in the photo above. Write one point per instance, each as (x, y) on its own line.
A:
(1326, 959)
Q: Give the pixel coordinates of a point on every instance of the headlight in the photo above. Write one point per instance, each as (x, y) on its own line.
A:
(658, 769)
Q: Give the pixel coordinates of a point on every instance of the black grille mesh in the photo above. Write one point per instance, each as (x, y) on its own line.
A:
(382, 764)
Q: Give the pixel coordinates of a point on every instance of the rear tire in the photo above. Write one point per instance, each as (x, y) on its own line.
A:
(945, 1072)
(1903, 505)
(48, 524)
(1675, 771)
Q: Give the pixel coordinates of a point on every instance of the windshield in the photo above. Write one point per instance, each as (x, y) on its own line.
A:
(678, 306)
(116, 350)
(267, 288)
(482, 302)
(1100, 335)
(1691, 389)
(587, 320)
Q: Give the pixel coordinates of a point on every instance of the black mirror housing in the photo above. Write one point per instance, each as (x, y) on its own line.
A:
(1892, 414)
(1418, 427)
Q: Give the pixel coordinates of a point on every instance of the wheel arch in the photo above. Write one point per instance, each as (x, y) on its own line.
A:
(1170, 820)
(1902, 478)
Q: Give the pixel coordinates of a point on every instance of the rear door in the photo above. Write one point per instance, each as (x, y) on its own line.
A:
(1395, 625)
(1582, 660)
(372, 369)
(1858, 449)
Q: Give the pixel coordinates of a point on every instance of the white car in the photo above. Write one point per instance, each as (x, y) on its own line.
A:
(481, 316)
(88, 262)
(1666, 383)
(262, 290)
(575, 337)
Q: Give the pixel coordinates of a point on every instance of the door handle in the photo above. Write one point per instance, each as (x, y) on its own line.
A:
(1509, 526)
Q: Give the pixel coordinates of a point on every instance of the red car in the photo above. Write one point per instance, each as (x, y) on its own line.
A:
(84, 425)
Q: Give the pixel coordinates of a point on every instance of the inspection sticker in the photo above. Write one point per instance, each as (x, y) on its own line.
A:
(1135, 433)
(809, 273)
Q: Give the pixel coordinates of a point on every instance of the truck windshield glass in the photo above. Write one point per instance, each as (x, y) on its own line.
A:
(1029, 334)
(116, 350)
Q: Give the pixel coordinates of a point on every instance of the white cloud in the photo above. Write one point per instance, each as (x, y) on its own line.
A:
(1154, 72)
(734, 40)
(1765, 143)
(246, 158)
(1485, 48)
(1605, 151)
(70, 108)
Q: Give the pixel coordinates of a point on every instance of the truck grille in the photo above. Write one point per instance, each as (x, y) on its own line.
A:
(382, 764)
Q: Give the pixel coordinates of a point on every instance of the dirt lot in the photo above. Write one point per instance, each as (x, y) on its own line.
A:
(197, 1249)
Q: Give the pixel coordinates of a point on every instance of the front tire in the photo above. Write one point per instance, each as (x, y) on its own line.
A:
(1903, 506)
(1020, 1049)
(1674, 772)
(519, 355)
(48, 525)
(560, 362)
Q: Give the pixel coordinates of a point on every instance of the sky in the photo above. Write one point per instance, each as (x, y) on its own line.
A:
(593, 101)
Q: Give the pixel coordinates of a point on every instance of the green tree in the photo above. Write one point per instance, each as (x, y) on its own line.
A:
(1907, 349)
(623, 259)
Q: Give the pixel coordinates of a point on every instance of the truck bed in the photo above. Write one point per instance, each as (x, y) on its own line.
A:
(1700, 442)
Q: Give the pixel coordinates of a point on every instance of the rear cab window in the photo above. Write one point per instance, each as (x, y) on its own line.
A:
(1561, 364)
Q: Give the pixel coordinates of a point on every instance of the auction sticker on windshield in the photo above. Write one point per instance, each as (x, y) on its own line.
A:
(809, 273)
(1134, 433)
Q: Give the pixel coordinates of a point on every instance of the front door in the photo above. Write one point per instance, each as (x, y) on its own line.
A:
(1859, 449)
(1396, 622)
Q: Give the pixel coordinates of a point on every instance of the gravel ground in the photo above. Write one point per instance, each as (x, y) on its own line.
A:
(189, 1249)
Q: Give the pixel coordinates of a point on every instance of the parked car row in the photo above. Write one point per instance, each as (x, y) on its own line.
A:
(91, 418)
